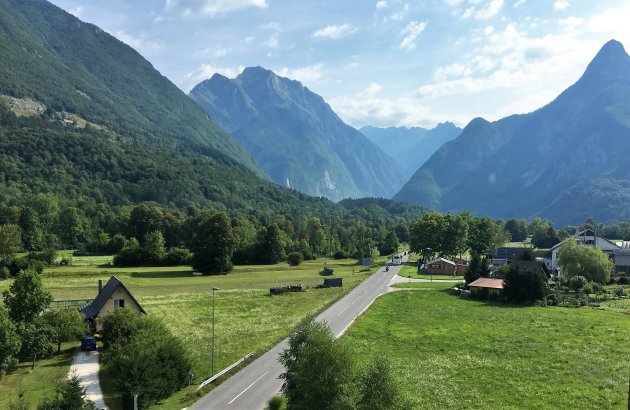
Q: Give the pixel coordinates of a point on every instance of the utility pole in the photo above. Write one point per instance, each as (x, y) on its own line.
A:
(213, 290)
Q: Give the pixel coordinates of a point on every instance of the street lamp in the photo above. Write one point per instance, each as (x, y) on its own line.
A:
(213, 290)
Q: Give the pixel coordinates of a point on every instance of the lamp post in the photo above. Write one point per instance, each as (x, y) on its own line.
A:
(213, 290)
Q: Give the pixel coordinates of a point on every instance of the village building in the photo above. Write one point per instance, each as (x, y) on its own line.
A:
(442, 266)
(494, 287)
(114, 295)
(617, 251)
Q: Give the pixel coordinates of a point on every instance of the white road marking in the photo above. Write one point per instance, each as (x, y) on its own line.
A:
(247, 388)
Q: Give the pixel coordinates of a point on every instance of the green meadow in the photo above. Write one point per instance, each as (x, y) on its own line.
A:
(453, 353)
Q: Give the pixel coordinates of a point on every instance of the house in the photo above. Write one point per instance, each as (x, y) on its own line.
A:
(532, 266)
(618, 252)
(114, 295)
(512, 250)
(494, 287)
(441, 266)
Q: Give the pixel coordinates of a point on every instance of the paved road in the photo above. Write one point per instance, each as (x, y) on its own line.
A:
(252, 386)
(85, 365)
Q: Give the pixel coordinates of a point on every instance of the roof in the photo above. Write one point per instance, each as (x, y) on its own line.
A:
(531, 266)
(440, 260)
(92, 308)
(487, 283)
(584, 233)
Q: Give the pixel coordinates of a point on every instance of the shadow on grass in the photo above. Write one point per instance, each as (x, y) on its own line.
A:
(163, 275)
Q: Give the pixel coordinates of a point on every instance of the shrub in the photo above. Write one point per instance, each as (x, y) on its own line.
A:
(620, 292)
(178, 256)
(576, 283)
(624, 280)
(340, 254)
(524, 286)
(295, 258)
(4, 273)
(65, 261)
(277, 402)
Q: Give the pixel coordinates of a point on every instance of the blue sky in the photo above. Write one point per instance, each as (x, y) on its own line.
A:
(382, 63)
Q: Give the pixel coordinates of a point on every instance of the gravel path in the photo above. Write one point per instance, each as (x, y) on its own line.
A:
(85, 365)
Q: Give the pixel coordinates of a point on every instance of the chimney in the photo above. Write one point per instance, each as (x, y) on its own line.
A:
(100, 285)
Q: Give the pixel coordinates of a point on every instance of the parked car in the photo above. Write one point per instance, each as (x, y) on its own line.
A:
(88, 343)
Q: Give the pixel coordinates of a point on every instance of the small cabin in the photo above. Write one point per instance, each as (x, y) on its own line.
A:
(114, 295)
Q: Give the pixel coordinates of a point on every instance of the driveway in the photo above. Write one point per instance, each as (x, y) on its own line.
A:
(85, 365)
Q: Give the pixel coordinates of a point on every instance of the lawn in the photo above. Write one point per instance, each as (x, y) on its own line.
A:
(247, 318)
(35, 383)
(456, 353)
(411, 269)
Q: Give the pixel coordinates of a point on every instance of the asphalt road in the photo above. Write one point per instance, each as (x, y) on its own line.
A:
(252, 386)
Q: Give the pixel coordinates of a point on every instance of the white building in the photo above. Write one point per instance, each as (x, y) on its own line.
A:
(619, 251)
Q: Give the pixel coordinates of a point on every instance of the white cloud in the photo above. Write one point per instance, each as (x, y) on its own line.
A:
(519, 3)
(381, 5)
(272, 25)
(76, 12)
(411, 32)
(483, 11)
(307, 75)
(211, 7)
(204, 72)
(571, 23)
(373, 89)
(334, 32)
(140, 43)
(561, 5)
(273, 41)
(451, 71)
(401, 14)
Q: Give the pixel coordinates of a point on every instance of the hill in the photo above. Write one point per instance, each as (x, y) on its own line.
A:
(85, 118)
(566, 161)
(295, 136)
(411, 147)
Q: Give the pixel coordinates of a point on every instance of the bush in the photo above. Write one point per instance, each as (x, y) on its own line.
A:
(178, 256)
(576, 283)
(295, 258)
(524, 286)
(341, 254)
(277, 402)
(65, 261)
(624, 280)
(4, 273)
(620, 292)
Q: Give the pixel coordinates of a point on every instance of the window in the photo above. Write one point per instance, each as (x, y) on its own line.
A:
(119, 303)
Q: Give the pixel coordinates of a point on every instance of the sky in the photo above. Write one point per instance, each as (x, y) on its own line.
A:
(381, 63)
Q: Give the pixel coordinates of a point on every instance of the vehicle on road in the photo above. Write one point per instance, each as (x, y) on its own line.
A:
(396, 260)
(88, 343)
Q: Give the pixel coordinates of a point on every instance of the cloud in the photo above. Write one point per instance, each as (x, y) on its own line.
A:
(140, 43)
(76, 12)
(411, 32)
(450, 71)
(204, 72)
(335, 32)
(483, 11)
(272, 25)
(273, 41)
(561, 5)
(381, 5)
(211, 7)
(306, 75)
(401, 14)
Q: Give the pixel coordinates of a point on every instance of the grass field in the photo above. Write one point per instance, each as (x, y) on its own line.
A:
(411, 269)
(247, 318)
(453, 353)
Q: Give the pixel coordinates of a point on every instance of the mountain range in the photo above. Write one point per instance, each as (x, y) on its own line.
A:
(566, 161)
(86, 118)
(411, 146)
(296, 138)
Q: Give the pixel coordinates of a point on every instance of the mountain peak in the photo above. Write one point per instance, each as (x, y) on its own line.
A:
(611, 62)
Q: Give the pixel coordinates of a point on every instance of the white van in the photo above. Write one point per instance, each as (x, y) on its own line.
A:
(396, 260)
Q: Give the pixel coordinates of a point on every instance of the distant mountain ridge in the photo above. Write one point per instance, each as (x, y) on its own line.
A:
(412, 146)
(566, 161)
(295, 136)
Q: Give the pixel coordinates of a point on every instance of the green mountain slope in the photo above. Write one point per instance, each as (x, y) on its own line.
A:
(566, 161)
(70, 66)
(296, 137)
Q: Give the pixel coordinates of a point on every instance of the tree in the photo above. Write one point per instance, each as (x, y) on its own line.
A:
(318, 368)
(153, 248)
(295, 258)
(402, 232)
(66, 325)
(31, 229)
(454, 235)
(36, 338)
(517, 229)
(146, 358)
(10, 241)
(72, 226)
(213, 244)
(130, 255)
(379, 390)
(524, 286)
(10, 341)
(425, 235)
(144, 218)
(389, 244)
(485, 236)
(478, 268)
(583, 260)
(317, 236)
(26, 297)
(68, 395)
(271, 244)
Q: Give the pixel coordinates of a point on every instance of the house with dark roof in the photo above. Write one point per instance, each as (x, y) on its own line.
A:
(114, 295)
(587, 237)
